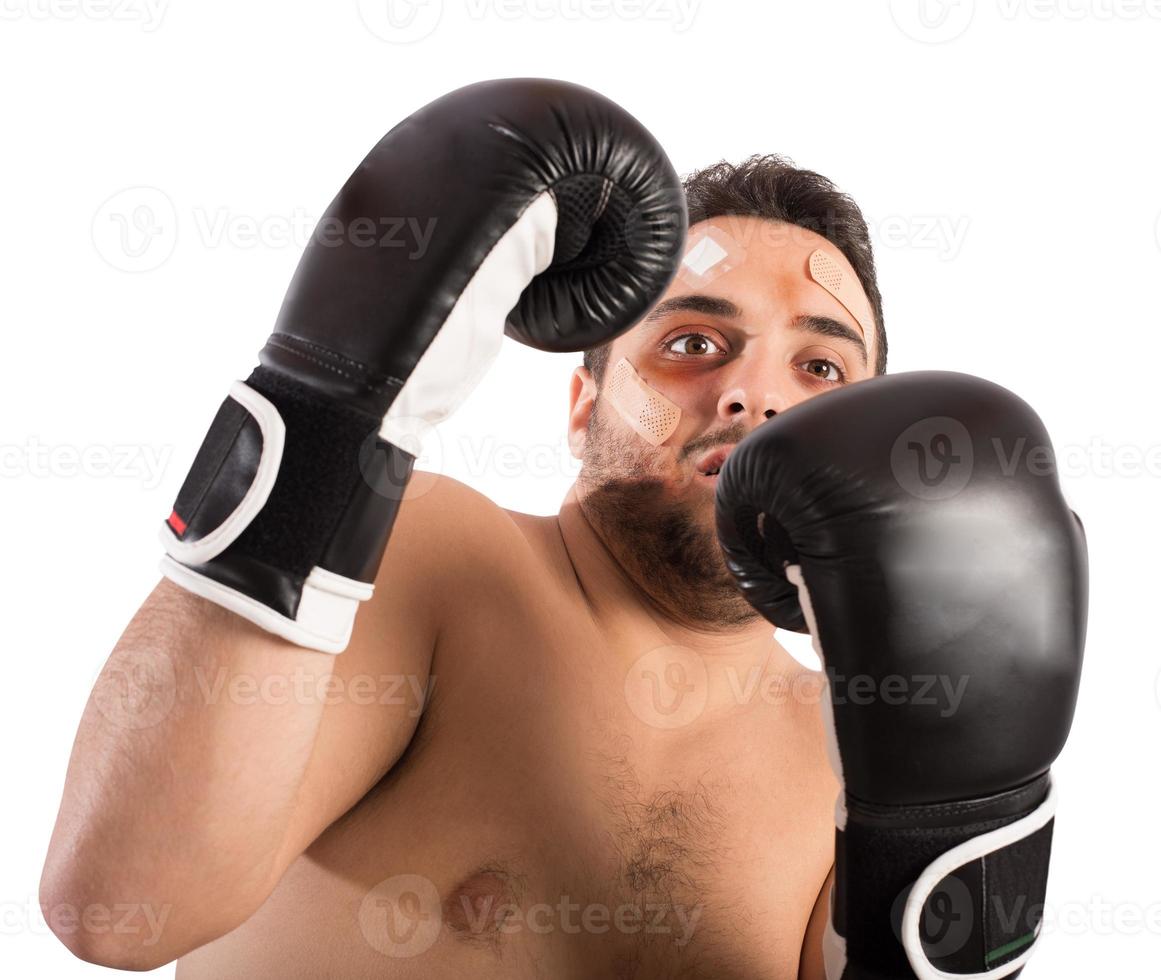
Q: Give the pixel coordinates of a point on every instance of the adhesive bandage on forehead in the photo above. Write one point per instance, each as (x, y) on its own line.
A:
(709, 252)
(712, 252)
(844, 286)
(650, 414)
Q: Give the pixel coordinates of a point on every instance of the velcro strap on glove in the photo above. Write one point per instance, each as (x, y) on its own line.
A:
(287, 509)
(945, 891)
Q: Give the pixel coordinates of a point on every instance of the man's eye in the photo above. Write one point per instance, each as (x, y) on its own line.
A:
(695, 344)
(824, 370)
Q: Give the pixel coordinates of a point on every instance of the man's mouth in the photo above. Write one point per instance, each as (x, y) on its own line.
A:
(710, 465)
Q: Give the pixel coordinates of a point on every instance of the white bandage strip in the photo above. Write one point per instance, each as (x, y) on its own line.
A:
(709, 252)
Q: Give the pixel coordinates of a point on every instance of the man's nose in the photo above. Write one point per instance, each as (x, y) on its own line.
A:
(754, 395)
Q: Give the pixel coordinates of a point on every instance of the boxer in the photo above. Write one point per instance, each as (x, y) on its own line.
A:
(387, 728)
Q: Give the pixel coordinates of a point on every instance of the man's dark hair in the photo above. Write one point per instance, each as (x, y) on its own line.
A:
(772, 187)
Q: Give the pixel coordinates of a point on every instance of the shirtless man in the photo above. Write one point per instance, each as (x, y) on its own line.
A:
(552, 747)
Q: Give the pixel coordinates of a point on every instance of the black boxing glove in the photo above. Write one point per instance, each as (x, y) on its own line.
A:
(914, 525)
(548, 213)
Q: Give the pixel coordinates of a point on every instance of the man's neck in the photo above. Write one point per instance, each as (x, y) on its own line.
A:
(626, 609)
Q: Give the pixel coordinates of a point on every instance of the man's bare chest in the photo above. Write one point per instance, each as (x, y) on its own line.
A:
(553, 826)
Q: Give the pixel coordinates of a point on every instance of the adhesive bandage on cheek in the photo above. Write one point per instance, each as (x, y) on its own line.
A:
(843, 286)
(709, 253)
(650, 414)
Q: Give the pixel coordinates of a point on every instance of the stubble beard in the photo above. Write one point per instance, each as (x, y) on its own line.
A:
(659, 532)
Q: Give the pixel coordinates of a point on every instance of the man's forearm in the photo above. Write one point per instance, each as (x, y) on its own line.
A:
(169, 811)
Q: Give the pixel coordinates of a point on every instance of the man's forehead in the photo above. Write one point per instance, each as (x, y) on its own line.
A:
(759, 234)
(723, 245)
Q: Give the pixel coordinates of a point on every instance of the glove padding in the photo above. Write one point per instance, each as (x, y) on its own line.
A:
(914, 525)
(551, 215)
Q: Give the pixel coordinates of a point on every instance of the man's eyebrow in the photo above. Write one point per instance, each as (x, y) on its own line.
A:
(826, 326)
(696, 303)
(823, 326)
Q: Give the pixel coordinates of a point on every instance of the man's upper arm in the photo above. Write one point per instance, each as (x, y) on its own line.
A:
(380, 683)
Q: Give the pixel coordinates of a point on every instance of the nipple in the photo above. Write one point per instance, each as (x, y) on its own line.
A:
(481, 904)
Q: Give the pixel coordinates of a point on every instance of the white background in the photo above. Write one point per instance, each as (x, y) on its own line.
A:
(1005, 154)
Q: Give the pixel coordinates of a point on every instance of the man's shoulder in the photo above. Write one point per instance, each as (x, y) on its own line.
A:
(465, 526)
(430, 496)
(473, 568)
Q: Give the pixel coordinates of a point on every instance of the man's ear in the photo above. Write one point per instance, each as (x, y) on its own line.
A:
(582, 392)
